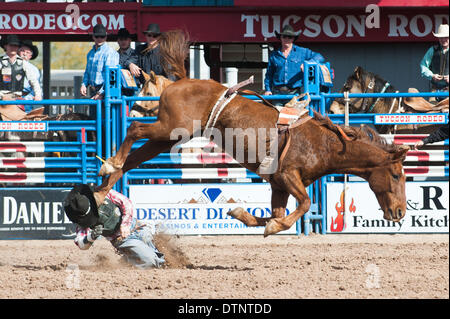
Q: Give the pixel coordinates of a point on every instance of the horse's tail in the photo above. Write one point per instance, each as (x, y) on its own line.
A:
(174, 48)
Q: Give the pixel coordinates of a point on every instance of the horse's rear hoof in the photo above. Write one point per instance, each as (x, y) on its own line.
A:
(272, 227)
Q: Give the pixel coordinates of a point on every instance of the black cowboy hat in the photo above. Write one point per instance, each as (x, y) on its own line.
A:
(33, 48)
(123, 33)
(80, 206)
(287, 30)
(99, 30)
(9, 39)
(153, 28)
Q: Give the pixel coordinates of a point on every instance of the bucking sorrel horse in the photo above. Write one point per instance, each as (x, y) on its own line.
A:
(317, 148)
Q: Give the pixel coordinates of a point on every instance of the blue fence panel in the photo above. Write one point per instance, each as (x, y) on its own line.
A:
(115, 122)
(87, 167)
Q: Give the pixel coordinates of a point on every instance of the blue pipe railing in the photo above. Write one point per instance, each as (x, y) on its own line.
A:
(116, 122)
(86, 166)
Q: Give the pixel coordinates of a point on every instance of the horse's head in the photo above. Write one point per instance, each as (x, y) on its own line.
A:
(154, 85)
(387, 181)
(358, 82)
(380, 163)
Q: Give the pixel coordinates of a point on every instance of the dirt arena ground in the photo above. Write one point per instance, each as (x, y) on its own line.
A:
(317, 266)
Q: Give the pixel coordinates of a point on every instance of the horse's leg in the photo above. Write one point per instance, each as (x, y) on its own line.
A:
(154, 131)
(294, 185)
(144, 153)
(279, 202)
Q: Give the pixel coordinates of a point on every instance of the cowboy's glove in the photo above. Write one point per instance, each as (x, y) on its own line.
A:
(97, 231)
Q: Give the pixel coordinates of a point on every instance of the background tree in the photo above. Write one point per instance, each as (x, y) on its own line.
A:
(67, 55)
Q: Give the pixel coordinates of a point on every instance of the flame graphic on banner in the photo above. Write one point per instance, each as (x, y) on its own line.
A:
(338, 223)
(352, 207)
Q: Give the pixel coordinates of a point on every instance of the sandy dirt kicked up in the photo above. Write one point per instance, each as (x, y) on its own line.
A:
(315, 266)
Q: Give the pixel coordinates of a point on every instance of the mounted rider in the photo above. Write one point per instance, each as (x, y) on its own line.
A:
(13, 72)
(434, 65)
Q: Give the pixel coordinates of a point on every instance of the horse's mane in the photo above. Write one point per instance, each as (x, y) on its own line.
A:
(363, 133)
(174, 49)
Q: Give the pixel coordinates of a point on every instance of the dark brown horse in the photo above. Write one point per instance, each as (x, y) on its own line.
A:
(317, 148)
(362, 81)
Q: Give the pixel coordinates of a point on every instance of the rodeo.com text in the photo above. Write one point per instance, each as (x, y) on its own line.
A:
(224, 309)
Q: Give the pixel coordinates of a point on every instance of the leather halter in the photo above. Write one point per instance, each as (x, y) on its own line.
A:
(371, 85)
(364, 105)
(386, 85)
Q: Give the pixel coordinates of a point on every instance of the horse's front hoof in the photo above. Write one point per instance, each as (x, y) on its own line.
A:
(107, 169)
(272, 227)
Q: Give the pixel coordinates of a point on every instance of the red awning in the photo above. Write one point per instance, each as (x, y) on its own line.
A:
(339, 3)
(241, 23)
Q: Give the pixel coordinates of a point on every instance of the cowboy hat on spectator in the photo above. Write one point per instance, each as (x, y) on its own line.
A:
(33, 48)
(99, 30)
(442, 31)
(125, 34)
(153, 28)
(11, 39)
(287, 30)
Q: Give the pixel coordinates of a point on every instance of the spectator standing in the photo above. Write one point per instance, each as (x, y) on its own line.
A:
(149, 53)
(98, 58)
(14, 71)
(285, 68)
(28, 51)
(128, 58)
(434, 64)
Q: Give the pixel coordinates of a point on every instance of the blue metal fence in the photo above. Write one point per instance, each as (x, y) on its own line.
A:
(86, 167)
(112, 122)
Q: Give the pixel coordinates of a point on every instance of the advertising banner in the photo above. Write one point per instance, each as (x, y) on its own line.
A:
(34, 214)
(312, 25)
(359, 212)
(246, 24)
(198, 209)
